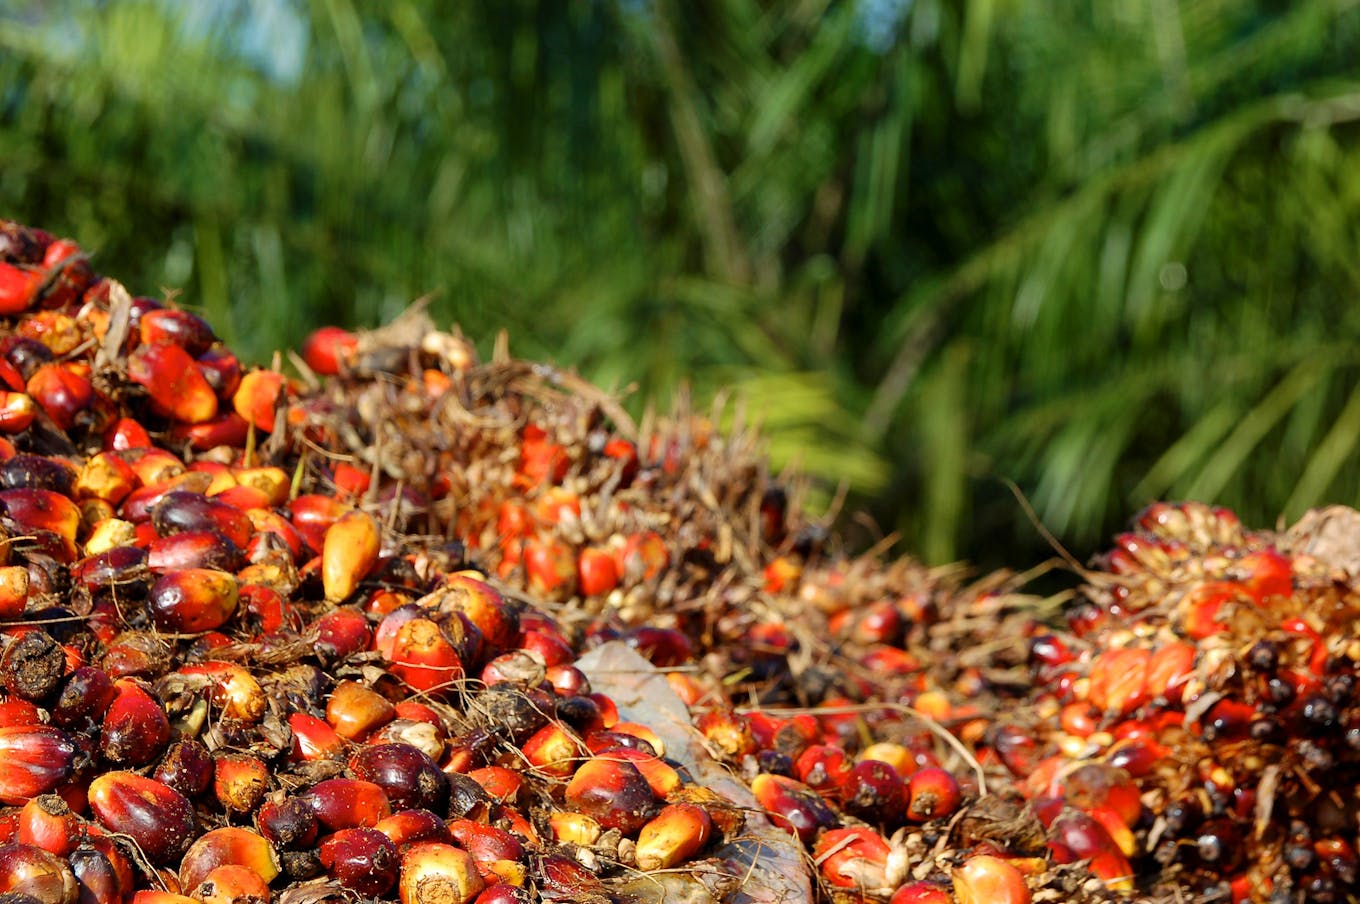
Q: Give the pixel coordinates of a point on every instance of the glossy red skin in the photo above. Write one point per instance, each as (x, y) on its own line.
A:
(362, 859)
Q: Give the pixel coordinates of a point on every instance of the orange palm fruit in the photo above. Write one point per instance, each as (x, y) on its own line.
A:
(174, 382)
(673, 836)
(257, 398)
(349, 553)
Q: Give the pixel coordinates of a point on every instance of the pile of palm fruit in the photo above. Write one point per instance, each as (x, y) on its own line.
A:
(368, 625)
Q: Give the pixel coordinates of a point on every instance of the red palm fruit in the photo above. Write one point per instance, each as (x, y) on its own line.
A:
(136, 729)
(327, 349)
(550, 567)
(625, 453)
(932, 793)
(18, 712)
(30, 871)
(350, 482)
(228, 846)
(1120, 832)
(875, 793)
(612, 792)
(229, 429)
(385, 635)
(596, 569)
(154, 466)
(125, 433)
(822, 767)
(10, 376)
(313, 739)
(162, 897)
(661, 776)
(35, 509)
(984, 879)
(187, 767)
(14, 587)
(47, 822)
(355, 711)
(920, 893)
(423, 657)
(1170, 667)
(435, 873)
(484, 606)
(257, 398)
(240, 783)
(172, 379)
(888, 660)
(313, 516)
(553, 750)
(17, 411)
(1269, 573)
(1079, 718)
(1073, 836)
(231, 688)
(792, 805)
(173, 326)
(557, 505)
(96, 877)
(858, 858)
(642, 557)
(727, 734)
(1136, 755)
(268, 610)
(179, 511)
(406, 827)
(361, 859)
(18, 288)
(662, 647)
(349, 552)
(486, 843)
(287, 823)
(193, 549)
(156, 817)
(221, 369)
(342, 632)
(673, 836)
(781, 573)
(1202, 608)
(410, 779)
(346, 803)
(548, 645)
(85, 696)
(139, 503)
(567, 680)
(501, 783)
(61, 391)
(231, 884)
(1097, 784)
(642, 732)
(609, 710)
(1118, 680)
(193, 600)
(541, 460)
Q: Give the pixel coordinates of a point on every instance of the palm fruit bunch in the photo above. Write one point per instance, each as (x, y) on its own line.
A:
(388, 622)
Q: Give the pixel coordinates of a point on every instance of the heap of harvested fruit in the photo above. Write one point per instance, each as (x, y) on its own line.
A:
(316, 634)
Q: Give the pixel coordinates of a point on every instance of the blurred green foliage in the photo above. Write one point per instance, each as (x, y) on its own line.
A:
(1107, 250)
